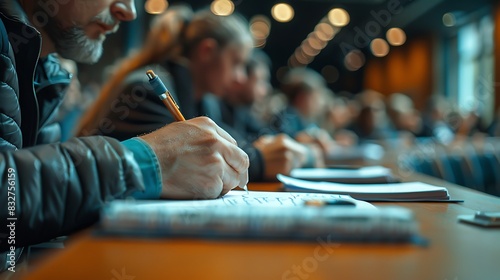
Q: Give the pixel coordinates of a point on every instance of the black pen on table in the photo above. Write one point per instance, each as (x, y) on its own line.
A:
(161, 90)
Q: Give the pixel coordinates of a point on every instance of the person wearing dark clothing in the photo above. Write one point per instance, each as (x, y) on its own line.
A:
(197, 61)
(50, 188)
(213, 53)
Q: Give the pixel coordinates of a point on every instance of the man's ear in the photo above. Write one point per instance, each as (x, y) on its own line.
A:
(207, 49)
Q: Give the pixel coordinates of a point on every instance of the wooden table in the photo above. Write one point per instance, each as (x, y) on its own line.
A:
(457, 251)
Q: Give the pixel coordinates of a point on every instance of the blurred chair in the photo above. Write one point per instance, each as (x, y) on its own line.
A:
(473, 165)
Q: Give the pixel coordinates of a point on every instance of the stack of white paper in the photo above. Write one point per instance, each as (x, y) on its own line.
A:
(363, 175)
(411, 191)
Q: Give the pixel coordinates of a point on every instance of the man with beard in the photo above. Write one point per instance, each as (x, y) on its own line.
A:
(49, 189)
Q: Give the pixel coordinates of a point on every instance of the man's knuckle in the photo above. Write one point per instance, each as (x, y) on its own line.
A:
(206, 120)
(245, 161)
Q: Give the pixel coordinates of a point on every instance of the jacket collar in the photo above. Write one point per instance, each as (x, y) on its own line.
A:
(26, 51)
(13, 11)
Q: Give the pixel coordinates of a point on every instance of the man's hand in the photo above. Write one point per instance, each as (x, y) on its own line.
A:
(281, 154)
(198, 159)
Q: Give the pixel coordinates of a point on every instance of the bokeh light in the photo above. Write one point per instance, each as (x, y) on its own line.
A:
(324, 31)
(222, 7)
(396, 36)
(339, 17)
(315, 43)
(379, 47)
(282, 12)
(302, 57)
(260, 26)
(308, 50)
(259, 43)
(354, 60)
(155, 6)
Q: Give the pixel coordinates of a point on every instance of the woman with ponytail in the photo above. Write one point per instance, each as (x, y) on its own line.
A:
(193, 53)
(198, 56)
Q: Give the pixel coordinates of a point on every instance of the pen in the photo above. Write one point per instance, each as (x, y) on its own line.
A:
(161, 90)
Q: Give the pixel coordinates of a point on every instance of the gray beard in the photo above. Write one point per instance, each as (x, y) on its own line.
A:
(75, 45)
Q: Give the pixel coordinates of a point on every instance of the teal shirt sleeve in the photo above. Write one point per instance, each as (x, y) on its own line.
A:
(150, 168)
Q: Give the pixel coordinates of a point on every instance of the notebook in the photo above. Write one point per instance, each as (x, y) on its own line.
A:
(362, 175)
(260, 215)
(410, 191)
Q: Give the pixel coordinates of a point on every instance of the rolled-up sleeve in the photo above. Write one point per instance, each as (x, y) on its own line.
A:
(150, 168)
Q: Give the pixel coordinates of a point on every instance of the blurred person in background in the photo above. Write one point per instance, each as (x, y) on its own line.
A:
(237, 102)
(437, 120)
(193, 53)
(404, 115)
(338, 117)
(199, 56)
(494, 128)
(306, 93)
(280, 153)
(372, 122)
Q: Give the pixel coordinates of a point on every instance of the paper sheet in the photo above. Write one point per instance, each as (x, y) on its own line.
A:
(271, 199)
(364, 172)
(372, 192)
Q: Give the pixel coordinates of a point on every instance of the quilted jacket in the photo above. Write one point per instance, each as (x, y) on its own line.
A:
(47, 188)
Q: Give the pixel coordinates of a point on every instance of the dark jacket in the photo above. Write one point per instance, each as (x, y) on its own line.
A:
(138, 110)
(290, 122)
(241, 119)
(47, 190)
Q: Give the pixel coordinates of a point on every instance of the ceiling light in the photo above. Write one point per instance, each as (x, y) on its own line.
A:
(354, 60)
(315, 42)
(302, 57)
(324, 31)
(260, 27)
(379, 47)
(155, 6)
(282, 12)
(338, 17)
(222, 7)
(259, 43)
(396, 36)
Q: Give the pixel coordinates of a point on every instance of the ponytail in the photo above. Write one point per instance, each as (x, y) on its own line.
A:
(173, 35)
(163, 42)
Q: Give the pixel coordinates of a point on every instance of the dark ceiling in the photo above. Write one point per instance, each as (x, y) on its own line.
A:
(416, 17)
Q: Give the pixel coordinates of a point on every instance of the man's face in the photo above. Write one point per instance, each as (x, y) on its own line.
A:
(79, 27)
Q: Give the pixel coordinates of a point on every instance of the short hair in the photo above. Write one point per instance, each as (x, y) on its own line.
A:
(299, 80)
(258, 58)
